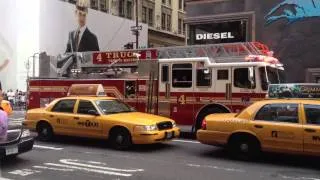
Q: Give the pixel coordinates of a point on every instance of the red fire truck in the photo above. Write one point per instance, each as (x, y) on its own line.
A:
(184, 83)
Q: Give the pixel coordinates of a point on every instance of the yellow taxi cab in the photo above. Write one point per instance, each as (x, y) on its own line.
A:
(6, 106)
(99, 116)
(283, 125)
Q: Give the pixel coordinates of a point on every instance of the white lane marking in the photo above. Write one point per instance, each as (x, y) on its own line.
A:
(217, 167)
(51, 168)
(16, 119)
(24, 172)
(89, 170)
(1, 178)
(186, 141)
(78, 163)
(298, 178)
(47, 147)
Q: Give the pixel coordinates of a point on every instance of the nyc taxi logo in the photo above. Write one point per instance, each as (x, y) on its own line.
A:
(293, 11)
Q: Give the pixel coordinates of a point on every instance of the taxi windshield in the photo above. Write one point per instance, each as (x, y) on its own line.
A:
(113, 106)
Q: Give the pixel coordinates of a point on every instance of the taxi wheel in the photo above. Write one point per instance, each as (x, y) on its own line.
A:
(45, 131)
(244, 147)
(120, 139)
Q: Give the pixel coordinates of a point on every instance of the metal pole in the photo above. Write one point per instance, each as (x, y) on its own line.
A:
(33, 66)
(137, 24)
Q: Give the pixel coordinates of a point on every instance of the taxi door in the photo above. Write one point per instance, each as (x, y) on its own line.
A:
(60, 116)
(311, 129)
(86, 121)
(278, 128)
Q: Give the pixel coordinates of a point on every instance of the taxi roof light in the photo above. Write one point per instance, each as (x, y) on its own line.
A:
(86, 90)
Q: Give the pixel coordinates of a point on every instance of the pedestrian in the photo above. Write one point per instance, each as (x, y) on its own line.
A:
(3, 124)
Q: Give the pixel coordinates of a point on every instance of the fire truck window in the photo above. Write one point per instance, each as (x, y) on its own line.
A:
(182, 75)
(165, 73)
(204, 77)
(223, 74)
(264, 82)
(65, 106)
(85, 106)
(242, 80)
(130, 89)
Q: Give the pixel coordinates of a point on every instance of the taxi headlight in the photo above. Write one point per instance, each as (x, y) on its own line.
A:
(25, 133)
(174, 124)
(146, 128)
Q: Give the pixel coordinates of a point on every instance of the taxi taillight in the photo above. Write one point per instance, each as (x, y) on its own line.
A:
(204, 124)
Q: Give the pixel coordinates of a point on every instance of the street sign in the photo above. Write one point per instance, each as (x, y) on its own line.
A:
(136, 28)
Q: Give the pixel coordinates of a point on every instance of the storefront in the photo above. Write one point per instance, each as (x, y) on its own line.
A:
(291, 30)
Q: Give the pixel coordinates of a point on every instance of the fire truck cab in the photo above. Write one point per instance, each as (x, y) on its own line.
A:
(183, 83)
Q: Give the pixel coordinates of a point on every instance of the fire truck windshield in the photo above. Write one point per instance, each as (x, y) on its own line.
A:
(113, 107)
(269, 75)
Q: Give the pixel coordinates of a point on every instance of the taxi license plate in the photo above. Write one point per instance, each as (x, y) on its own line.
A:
(11, 150)
(169, 135)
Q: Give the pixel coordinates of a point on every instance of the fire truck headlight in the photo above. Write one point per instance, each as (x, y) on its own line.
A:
(145, 128)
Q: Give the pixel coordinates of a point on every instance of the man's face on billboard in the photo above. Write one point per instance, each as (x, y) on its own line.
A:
(81, 18)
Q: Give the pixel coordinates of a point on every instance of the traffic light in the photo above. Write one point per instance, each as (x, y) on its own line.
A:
(128, 46)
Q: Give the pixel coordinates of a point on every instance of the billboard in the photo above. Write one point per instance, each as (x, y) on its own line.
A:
(34, 26)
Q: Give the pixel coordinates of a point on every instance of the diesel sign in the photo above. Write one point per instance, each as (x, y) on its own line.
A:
(223, 35)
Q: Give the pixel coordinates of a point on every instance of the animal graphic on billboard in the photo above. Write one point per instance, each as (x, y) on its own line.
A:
(294, 10)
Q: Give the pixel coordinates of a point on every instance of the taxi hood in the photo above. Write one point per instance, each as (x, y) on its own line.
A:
(138, 118)
(220, 116)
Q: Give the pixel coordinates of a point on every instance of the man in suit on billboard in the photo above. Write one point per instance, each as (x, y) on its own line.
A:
(81, 39)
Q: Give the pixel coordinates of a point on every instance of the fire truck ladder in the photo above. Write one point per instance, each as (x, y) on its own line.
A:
(216, 52)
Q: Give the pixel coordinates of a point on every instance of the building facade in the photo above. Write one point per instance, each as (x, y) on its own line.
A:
(165, 18)
(290, 29)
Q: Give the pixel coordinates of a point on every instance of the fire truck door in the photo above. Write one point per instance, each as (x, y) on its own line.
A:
(223, 85)
(164, 91)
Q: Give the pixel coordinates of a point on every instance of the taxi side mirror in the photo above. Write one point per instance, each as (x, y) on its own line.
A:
(93, 112)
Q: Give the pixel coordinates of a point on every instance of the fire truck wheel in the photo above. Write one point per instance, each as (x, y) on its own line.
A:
(244, 146)
(120, 138)
(206, 111)
(45, 131)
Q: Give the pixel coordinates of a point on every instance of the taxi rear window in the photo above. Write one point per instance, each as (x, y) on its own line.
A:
(312, 114)
(285, 112)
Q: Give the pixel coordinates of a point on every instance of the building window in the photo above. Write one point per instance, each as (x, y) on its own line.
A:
(163, 1)
(168, 22)
(163, 21)
(94, 4)
(241, 79)
(104, 5)
(121, 8)
(169, 2)
(182, 75)
(144, 14)
(180, 4)
(180, 25)
(129, 9)
(150, 21)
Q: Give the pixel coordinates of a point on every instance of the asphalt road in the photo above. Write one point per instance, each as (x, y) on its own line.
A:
(84, 159)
